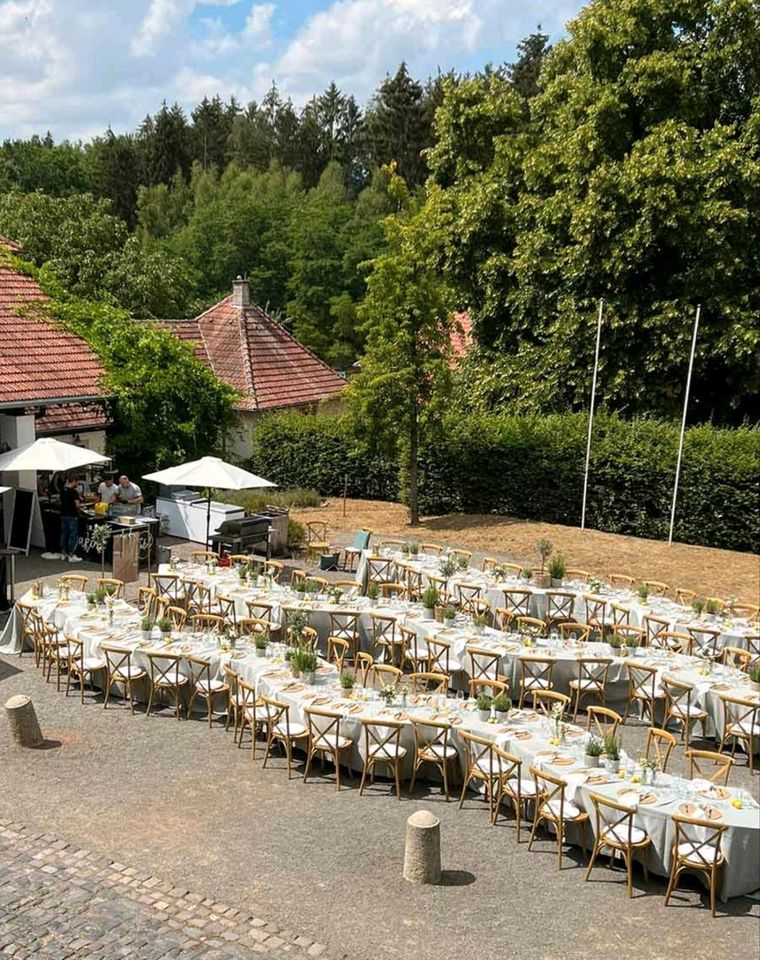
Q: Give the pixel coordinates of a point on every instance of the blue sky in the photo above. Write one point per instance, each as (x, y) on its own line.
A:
(76, 66)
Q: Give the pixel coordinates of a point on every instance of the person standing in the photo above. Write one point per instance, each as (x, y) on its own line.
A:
(108, 491)
(129, 496)
(71, 504)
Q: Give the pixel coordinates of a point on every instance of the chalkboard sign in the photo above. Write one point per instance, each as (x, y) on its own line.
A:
(21, 520)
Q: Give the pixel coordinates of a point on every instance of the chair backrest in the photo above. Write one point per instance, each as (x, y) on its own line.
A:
(344, 624)
(203, 556)
(603, 721)
(546, 700)
(316, 531)
(383, 675)
(597, 612)
(621, 580)
(657, 587)
(75, 652)
(530, 625)
(479, 755)
(491, 687)
(392, 590)
(642, 680)
(361, 539)
(146, 601)
(76, 580)
(672, 640)
(225, 607)
(276, 714)
(250, 626)
(431, 737)
(484, 664)
(383, 629)
(467, 593)
(337, 651)
(739, 715)
(677, 694)
(178, 617)
(118, 660)
(380, 570)
(704, 642)
(362, 665)
(440, 655)
(684, 596)
(259, 610)
(737, 658)
(593, 670)
(660, 743)
(702, 839)
(31, 619)
(433, 549)
(535, 669)
(627, 632)
(580, 632)
(613, 818)
(206, 623)
(653, 627)
(111, 585)
(710, 765)
(489, 564)
(559, 606)
(274, 569)
(424, 681)
(459, 554)
(413, 643)
(169, 585)
(382, 737)
(753, 646)
(550, 789)
(573, 573)
(391, 544)
(517, 602)
(321, 583)
(324, 726)
(246, 696)
(620, 616)
(200, 671)
(164, 668)
(197, 596)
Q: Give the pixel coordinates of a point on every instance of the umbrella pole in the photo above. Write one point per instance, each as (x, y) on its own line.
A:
(208, 518)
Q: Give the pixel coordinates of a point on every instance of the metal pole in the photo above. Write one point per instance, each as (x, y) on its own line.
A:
(591, 413)
(683, 421)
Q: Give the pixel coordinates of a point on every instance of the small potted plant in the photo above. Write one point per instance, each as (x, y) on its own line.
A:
(289, 655)
(698, 606)
(631, 644)
(347, 683)
(543, 549)
(298, 586)
(644, 594)
(463, 562)
(373, 591)
(260, 643)
(92, 600)
(616, 642)
(502, 705)
(479, 623)
(754, 678)
(414, 548)
(387, 695)
(447, 567)
(557, 570)
(526, 574)
(165, 626)
(485, 702)
(449, 614)
(611, 753)
(712, 607)
(430, 602)
(307, 663)
(297, 623)
(146, 628)
(100, 596)
(594, 750)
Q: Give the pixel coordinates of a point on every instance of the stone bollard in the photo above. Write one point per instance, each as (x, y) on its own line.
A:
(422, 855)
(22, 720)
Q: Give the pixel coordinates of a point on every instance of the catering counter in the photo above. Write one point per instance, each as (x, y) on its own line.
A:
(146, 527)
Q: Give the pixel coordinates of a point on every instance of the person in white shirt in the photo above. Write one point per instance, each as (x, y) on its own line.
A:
(129, 496)
(108, 491)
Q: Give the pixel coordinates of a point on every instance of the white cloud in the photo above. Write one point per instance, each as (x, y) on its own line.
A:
(75, 67)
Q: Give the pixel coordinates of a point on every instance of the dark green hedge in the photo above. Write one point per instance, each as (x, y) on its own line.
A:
(532, 467)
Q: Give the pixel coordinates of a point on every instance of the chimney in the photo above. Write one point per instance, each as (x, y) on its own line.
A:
(241, 294)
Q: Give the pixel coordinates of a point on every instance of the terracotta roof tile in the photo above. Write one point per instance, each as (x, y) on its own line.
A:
(461, 335)
(39, 360)
(71, 418)
(256, 356)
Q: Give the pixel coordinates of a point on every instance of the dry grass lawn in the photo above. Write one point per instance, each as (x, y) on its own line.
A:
(707, 570)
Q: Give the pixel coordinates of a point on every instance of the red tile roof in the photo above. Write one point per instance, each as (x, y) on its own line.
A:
(256, 356)
(71, 418)
(10, 244)
(38, 359)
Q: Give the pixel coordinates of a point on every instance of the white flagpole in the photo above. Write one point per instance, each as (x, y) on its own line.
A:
(591, 412)
(683, 421)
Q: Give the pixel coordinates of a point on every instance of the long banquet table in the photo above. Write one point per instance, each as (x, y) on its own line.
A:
(525, 733)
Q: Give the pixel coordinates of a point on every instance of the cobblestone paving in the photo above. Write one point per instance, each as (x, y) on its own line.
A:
(59, 901)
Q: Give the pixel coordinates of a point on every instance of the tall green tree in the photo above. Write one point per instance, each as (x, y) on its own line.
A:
(525, 71)
(397, 397)
(112, 172)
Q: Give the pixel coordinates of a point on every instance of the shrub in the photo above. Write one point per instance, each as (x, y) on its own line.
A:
(255, 501)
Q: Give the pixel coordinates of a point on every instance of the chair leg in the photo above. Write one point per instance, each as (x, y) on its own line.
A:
(397, 772)
(592, 859)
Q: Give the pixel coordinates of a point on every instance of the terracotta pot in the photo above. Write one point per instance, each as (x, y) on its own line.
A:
(542, 580)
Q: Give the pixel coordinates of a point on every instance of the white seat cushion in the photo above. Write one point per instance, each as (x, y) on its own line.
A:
(681, 711)
(585, 684)
(619, 834)
(659, 693)
(436, 750)
(296, 730)
(128, 672)
(747, 729)
(696, 854)
(527, 787)
(171, 681)
(569, 810)
(495, 766)
(387, 751)
(454, 666)
(92, 663)
(210, 684)
(331, 741)
(535, 683)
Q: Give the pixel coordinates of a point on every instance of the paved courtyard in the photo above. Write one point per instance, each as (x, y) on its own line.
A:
(154, 798)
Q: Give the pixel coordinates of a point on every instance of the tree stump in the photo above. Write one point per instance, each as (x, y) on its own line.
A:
(422, 855)
(22, 720)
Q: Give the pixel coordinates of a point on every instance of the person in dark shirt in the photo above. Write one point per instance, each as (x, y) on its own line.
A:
(70, 506)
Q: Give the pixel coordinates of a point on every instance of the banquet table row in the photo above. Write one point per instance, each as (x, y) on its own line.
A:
(525, 733)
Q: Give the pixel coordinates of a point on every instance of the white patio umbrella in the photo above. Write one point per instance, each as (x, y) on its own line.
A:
(49, 454)
(210, 473)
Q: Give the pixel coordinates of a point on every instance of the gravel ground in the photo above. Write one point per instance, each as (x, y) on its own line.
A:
(180, 801)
